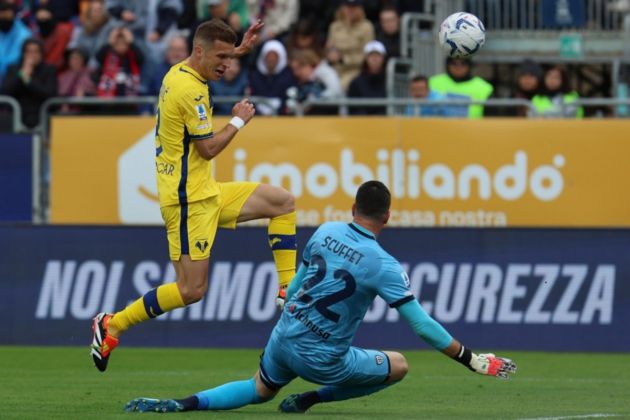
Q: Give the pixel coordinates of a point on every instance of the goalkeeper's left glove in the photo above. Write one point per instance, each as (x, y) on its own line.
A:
(486, 364)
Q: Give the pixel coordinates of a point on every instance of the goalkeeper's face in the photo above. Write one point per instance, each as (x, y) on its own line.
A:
(215, 59)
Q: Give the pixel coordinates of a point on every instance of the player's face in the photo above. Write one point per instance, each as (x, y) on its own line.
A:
(232, 72)
(215, 60)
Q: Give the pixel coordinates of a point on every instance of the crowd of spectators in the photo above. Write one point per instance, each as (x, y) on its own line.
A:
(308, 49)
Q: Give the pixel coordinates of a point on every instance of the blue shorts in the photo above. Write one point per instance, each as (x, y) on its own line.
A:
(279, 365)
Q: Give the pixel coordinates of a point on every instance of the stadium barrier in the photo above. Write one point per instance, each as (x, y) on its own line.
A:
(498, 172)
(533, 289)
(16, 113)
(17, 177)
(41, 200)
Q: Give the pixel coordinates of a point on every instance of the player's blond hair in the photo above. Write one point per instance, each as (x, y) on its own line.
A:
(214, 30)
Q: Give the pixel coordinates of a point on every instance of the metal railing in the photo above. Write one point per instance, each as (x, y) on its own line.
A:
(16, 113)
(598, 15)
(47, 106)
(395, 106)
(420, 43)
(619, 106)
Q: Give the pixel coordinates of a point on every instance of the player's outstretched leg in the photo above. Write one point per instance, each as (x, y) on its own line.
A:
(107, 327)
(278, 205)
(224, 397)
(281, 234)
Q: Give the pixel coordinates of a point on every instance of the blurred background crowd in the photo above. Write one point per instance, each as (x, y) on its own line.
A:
(308, 49)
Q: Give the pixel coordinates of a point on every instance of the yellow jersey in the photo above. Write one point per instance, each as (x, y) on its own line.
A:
(184, 115)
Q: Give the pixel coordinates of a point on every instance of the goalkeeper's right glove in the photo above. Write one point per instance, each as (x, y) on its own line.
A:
(486, 364)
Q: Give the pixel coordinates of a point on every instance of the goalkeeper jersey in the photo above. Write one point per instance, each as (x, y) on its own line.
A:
(347, 269)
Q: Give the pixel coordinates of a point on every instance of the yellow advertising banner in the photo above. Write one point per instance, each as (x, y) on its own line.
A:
(494, 172)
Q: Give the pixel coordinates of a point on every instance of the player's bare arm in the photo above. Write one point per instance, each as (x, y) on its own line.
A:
(249, 39)
(435, 335)
(210, 148)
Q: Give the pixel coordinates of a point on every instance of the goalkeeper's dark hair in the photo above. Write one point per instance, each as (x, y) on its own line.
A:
(373, 200)
(214, 30)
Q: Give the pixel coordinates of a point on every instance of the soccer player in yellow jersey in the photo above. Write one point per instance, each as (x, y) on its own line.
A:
(192, 202)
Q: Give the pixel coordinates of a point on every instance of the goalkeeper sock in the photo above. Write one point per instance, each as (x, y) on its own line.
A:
(281, 233)
(155, 302)
(338, 393)
(190, 403)
(229, 396)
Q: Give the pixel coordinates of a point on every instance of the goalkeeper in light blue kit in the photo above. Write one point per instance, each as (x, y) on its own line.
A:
(344, 270)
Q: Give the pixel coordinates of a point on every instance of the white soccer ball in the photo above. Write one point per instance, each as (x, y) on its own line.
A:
(462, 34)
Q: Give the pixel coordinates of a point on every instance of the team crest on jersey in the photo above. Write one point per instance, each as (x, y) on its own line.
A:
(201, 244)
(405, 278)
(379, 359)
(201, 111)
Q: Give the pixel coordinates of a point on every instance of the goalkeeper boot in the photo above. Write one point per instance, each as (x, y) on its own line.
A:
(291, 404)
(144, 405)
(281, 298)
(102, 343)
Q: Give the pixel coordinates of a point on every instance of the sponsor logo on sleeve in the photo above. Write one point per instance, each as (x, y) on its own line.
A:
(201, 112)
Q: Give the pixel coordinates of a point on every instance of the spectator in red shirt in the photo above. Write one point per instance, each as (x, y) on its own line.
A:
(120, 66)
(55, 35)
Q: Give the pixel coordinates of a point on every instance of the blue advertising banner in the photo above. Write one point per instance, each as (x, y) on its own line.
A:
(16, 177)
(535, 289)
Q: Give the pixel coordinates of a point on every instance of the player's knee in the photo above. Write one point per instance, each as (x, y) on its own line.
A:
(262, 391)
(266, 394)
(287, 201)
(398, 365)
(193, 293)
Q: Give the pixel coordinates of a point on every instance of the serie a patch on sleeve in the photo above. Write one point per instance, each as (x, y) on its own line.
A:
(201, 112)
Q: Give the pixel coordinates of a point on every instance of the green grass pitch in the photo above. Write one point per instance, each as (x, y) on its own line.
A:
(61, 383)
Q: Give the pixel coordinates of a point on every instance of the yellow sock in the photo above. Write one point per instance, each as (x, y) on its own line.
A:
(283, 246)
(155, 302)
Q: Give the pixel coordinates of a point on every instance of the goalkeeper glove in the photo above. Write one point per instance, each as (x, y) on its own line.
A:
(486, 364)
(489, 364)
